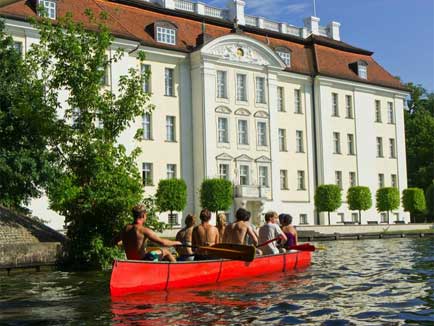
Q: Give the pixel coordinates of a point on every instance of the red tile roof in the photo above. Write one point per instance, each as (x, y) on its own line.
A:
(133, 20)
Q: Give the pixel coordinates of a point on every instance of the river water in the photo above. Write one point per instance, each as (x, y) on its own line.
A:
(365, 282)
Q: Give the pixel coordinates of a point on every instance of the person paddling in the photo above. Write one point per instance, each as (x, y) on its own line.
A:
(134, 237)
(270, 230)
(185, 235)
(204, 234)
(289, 230)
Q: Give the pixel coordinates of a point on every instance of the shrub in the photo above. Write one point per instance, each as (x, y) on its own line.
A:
(387, 199)
(429, 199)
(328, 198)
(171, 195)
(413, 200)
(216, 194)
(359, 198)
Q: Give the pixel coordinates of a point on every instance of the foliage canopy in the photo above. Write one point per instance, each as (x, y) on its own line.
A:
(328, 198)
(216, 194)
(171, 195)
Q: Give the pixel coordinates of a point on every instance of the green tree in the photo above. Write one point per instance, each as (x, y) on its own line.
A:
(359, 198)
(216, 194)
(413, 201)
(387, 200)
(328, 198)
(429, 199)
(99, 181)
(419, 126)
(171, 195)
(27, 123)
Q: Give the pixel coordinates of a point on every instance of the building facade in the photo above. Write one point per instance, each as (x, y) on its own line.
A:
(274, 108)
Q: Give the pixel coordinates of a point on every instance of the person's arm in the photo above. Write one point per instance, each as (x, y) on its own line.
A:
(194, 240)
(117, 240)
(281, 234)
(217, 236)
(252, 235)
(151, 235)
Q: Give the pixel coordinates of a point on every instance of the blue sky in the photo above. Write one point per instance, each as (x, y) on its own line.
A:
(399, 32)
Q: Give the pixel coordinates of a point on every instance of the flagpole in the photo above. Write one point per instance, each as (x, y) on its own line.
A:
(314, 8)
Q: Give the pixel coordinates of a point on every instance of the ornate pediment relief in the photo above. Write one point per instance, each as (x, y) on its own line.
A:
(244, 158)
(239, 52)
(263, 159)
(223, 109)
(224, 157)
(243, 112)
(261, 114)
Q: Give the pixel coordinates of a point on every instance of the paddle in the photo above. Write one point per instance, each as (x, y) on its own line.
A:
(228, 251)
(301, 247)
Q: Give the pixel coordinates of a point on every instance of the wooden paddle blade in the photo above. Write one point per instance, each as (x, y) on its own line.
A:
(231, 251)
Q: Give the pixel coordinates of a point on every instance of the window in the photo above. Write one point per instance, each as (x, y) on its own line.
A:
(353, 180)
(283, 180)
(244, 175)
(397, 217)
(299, 141)
(170, 128)
(379, 147)
(146, 72)
(105, 80)
(392, 148)
(173, 219)
(282, 140)
(166, 35)
(147, 126)
(263, 176)
(280, 99)
(243, 138)
(285, 56)
(224, 171)
(336, 143)
(303, 218)
(297, 101)
(377, 111)
(260, 90)
(168, 82)
(147, 174)
(341, 217)
(354, 217)
(338, 178)
(171, 171)
(241, 88)
(394, 181)
(49, 7)
(223, 130)
(383, 218)
(301, 181)
(362, 70)
(350, 144)
(18, 46)
(335, 105)
(262, 133)
(349, 106)
(390, 113)
(221, 84)
(380, 180)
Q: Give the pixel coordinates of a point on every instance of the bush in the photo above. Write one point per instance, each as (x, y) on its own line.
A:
(387, 199)
(216, 194)
(413, 200)
(429, 199)
(359, 198)
(328, 198)
(171, 195)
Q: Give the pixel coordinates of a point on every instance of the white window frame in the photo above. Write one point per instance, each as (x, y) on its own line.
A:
(353, 179)
(299, 141)
(172, 219)
(169, 89)
(244, 173)
(147, 126)
(262, 133)
(390, 113)
(146, 69)
(280, 99)
(171, 171)
(350, 142)
(349, 106)
(18, 46)
(394, 180)
(50, 7)
(362, 70)
(336, 143)
(335, 105)
(283, 179)
(303, 218)
(260, 90)
(166, 35)
(285, 56)
(263, 176)
(380, 180)
(244, 135)
(222, 133)
(297, 102)
(338, 179)
(378, 117)
(380, 152)
(224, 171)
(354, 217)
(392, 147)
(147, 174)
(282, 140)
(170, 128)
(222, 82)
(341, 217)
(241, 86)
(301, 180)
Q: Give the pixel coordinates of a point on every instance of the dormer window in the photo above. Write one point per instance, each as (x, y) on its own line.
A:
(285, 55)
(165, 32)
(49, 7)
(362, 69)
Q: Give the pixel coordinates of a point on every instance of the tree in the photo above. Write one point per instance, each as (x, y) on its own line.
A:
(99, 181)
(216, 194)
(359, 198)
(171, 195)
(419, 124)
(387, 200)
(413, 200)
(429, 199)
(328, 198)
(27, 123)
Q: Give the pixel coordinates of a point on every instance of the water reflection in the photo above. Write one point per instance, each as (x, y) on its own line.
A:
(368, 282)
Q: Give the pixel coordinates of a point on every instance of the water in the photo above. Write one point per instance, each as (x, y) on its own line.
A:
(368, 282)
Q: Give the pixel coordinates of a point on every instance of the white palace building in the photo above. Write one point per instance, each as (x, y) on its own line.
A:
(277, 109)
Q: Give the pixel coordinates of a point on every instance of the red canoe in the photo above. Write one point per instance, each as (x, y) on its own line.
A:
(133, 276)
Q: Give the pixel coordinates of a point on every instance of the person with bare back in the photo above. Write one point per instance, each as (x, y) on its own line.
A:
(204, 234)
(134, 237)
(236, 232)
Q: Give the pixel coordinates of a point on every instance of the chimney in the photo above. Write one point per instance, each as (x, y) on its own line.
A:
(312, 24)
(333, 28)
(236, 11)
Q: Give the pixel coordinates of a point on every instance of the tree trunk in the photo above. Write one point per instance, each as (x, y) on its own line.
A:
(360, 217)
(329, 218)
(388, 217)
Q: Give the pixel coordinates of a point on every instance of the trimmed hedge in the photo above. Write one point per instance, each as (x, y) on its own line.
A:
(413, 200)
(359, 198)
(216, 194)
(387, 199)
(171, 195)
(328, 198)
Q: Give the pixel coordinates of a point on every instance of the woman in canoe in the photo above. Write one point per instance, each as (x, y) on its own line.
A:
(289, 230)
(185, 236)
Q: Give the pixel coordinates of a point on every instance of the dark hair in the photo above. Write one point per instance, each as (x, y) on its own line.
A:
(205, 215)
(190, 220)
(285, 219)
(242, 214)
(138, 211)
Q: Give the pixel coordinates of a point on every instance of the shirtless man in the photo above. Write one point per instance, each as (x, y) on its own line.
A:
(185, 235)
(134, 236)
(204, 234)
(236, 232)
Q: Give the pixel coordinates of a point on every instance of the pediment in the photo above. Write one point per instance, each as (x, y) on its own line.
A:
(223, 109)
(261, 114)
(263, 159)
(224, 157)
(242, 112)
(244, 158)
